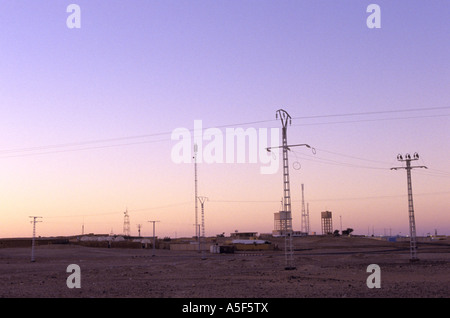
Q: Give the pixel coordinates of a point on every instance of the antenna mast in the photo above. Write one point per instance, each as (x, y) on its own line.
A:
(304, 225)
(197, 234)
(307, 218)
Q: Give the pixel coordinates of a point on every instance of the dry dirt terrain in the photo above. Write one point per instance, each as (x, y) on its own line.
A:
(325, 267)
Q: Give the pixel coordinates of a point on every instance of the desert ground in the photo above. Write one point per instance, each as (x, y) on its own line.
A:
(325, 267)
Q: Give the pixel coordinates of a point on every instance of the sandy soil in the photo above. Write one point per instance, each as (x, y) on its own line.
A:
(325, 267)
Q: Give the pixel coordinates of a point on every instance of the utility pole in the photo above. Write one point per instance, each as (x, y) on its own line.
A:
(412, 222)
(286, 225)
(34, 235)
(154, 238)
(202, 242)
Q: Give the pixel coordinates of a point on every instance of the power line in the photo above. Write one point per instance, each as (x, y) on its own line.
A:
(58, 148)
(118, 212)
(333, 199)
(338, 163)
(352, 157)
(319, 160)
(369, 120)
(373, 112)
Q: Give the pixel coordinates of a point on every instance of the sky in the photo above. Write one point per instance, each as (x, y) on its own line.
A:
(87, 114)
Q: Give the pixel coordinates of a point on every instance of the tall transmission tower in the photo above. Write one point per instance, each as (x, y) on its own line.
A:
(412, 222)
(197, 232)
(203, 237)
(34, 235)
(126, 223)
(305, 216)
(286, 225)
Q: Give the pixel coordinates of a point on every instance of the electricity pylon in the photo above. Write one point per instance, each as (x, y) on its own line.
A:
(34, 235)
(126, 223)
(202, 241)
(304, 214)
(307, 218)
(286, 222)
(197, 232)
(412, 222)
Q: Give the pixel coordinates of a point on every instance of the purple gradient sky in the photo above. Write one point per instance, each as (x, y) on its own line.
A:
(148, 67)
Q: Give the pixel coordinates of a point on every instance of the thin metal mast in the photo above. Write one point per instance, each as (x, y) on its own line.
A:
(304, 221)
(34, 235)
(197, 234)
(412, 222)
(307, 218)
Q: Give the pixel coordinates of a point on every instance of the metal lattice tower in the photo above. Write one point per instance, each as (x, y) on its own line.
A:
(197, 232)
(412, 222)
(286, 222)
(126, 224)
(203, 237)
(34, 235)
(304, 214)
(307, 218)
